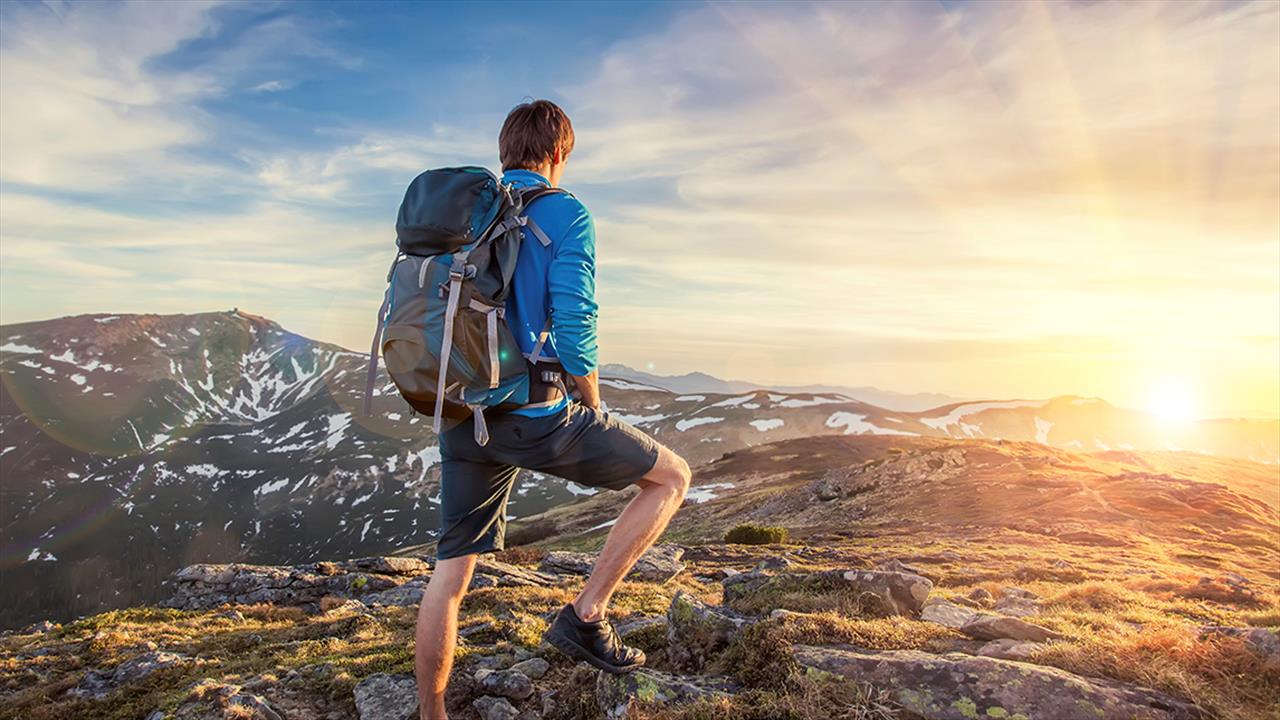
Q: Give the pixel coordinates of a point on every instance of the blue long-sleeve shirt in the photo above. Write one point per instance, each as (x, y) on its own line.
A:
(556, 281)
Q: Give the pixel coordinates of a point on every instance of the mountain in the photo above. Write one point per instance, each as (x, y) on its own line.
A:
(131, 445)
(698, 382)
(896, 578)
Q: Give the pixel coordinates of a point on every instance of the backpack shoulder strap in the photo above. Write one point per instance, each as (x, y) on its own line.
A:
(527, 197)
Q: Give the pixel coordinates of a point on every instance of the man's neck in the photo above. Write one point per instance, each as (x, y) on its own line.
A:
(545, 171)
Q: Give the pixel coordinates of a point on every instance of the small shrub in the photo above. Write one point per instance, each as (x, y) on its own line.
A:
(751, 534)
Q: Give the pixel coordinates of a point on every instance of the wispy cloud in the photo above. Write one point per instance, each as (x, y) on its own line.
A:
(986, 198)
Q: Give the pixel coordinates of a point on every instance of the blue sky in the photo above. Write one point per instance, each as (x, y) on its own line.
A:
(987, 199)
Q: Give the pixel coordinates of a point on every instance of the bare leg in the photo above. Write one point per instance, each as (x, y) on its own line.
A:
(437, 632)
(661, 492)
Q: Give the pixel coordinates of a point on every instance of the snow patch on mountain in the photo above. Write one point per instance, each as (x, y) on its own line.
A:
(703, 493)
(855, 424)
(694, 422)
(791, 402)
(767, 425)
(961, 411)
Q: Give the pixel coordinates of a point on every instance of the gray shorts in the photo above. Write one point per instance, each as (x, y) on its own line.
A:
(586, 446)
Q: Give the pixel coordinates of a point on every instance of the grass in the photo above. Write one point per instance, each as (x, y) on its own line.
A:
(1138, 627)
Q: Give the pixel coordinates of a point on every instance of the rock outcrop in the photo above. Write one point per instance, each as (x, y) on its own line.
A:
(658, 564)
(387, 697)
(98, 684)
(996, 627)
(205, 586)
(697, 633)
(962, 687)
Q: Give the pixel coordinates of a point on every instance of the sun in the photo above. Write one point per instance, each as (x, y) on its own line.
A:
(1173, 400)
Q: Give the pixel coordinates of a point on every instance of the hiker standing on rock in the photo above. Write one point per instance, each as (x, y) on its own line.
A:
(541, 425)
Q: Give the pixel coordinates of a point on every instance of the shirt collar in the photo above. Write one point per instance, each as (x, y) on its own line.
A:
(526, 176)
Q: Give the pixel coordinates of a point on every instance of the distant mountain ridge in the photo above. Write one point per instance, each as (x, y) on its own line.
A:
(700, 382)
(133, 444)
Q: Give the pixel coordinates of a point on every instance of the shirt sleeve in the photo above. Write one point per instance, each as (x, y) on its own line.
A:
(572, 289)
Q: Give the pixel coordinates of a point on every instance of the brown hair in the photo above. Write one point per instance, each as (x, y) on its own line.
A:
(532, 133)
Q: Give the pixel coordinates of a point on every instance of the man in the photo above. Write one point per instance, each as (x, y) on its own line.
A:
(563, 436)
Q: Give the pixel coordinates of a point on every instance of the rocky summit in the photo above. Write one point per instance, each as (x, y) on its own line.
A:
(814, 628)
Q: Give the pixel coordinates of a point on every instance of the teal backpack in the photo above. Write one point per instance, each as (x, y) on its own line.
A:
(442, 326)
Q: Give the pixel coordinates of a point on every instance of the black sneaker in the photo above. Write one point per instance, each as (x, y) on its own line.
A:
(595, 642)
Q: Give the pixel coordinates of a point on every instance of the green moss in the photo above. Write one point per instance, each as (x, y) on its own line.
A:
(966, 707)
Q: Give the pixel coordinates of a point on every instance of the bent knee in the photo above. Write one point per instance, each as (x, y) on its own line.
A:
(671, 471)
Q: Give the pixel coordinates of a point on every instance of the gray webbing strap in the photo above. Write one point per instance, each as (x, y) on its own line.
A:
(456, 272)
(537, 231)
(535, 355)
(481, 429)
(372, 376)
(492, 317)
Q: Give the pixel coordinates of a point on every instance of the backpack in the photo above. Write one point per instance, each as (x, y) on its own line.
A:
(442, 326)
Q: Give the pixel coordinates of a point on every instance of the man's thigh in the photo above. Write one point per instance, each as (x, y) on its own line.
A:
(473, 506)
(595, 449)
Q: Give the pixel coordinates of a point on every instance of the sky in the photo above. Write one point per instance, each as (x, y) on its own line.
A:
(991, 200)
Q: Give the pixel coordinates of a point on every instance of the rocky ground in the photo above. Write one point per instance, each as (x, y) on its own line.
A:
(923, 579)
(732, 631)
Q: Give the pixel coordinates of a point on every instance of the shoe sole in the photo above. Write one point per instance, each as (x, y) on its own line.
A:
(577, 652)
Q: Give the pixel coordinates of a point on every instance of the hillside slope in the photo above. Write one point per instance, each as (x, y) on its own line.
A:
(923, 578)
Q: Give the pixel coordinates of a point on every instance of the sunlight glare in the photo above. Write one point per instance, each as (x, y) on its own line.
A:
(1173, 400)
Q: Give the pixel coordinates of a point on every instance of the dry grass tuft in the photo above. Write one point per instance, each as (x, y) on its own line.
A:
(1219, 673)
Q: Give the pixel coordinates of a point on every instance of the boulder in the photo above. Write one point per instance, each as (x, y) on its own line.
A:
(658, 564)
(505, 683)
(945, 612)
(97, 684)
(1009, 649)
(901, 593)
(640, 625)
(567, 562)
(697, 632)
(962, 687)
(508, 575)
(620, 695)
(382, 696)
(534, 668)
(981, 596)
(996, 627)
(494, 708)
(406, 595)
(388, 566)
